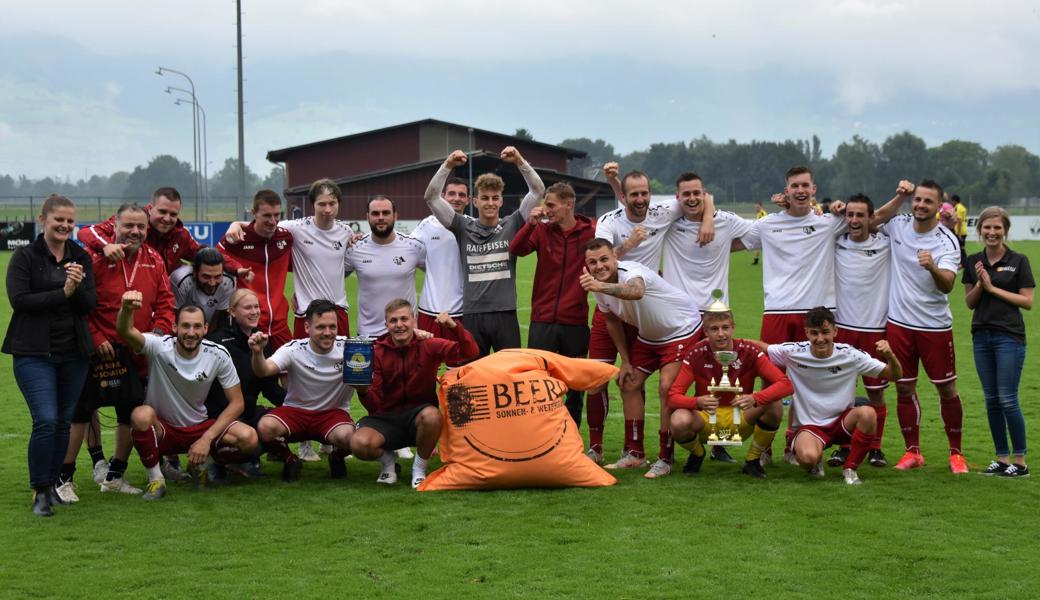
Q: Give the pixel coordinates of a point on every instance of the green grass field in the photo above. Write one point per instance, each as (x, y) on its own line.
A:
(924, 534)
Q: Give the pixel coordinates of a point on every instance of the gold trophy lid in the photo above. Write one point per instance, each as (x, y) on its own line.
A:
(718, 306)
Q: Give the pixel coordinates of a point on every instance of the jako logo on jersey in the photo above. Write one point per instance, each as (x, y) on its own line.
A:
(834, 370)
(870, 252)
(398, 260)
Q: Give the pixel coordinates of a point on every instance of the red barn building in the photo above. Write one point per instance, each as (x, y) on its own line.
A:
(400, 160)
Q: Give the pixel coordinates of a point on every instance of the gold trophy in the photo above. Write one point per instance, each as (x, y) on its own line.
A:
(727, 436)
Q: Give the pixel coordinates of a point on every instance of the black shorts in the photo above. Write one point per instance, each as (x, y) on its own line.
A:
(398, 428)
(494, 330)
(111, 383)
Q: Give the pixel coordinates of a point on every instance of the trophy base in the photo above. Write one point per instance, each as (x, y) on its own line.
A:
(724, 443)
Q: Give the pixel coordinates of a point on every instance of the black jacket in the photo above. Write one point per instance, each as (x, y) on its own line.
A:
(35, 289)
(235, 340)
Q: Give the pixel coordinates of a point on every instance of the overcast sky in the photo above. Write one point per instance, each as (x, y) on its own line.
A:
(78, 93)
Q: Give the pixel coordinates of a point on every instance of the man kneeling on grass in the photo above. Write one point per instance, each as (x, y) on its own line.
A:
(173, 418)
(402, 400)
(824, 375)
(316, 399)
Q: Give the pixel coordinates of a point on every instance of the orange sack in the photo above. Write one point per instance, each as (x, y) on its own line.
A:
(506, 426)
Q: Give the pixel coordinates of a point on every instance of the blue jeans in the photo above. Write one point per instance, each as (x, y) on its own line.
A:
(998, 360)
(51, 386)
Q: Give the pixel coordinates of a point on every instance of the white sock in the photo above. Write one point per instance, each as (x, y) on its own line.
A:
(388, 460)
(418, 467)
(154, 473)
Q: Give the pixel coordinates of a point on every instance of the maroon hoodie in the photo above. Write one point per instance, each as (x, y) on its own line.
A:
(557, 296)
(404, 377)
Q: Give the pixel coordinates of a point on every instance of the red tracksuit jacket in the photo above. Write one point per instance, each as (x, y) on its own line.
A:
(556, 296)
(270, 260)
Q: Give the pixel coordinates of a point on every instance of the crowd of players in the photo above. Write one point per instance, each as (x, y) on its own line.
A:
(183, 351)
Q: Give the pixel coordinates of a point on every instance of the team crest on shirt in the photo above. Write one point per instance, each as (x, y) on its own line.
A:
(870, 252)
(200, 376)
(398, 260)
(280, 244)
(175, 248)
(808, 229)
(337, 245)
(834, 370)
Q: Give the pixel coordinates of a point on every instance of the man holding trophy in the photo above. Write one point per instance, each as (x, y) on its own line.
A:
(725, 409)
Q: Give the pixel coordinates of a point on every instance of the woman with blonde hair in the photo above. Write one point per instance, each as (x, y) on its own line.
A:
(998, 283)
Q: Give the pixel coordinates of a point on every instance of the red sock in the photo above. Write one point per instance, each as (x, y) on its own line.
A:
(858, 449)
(666, 451)
(789, 439)
(147, 446)
(909, 412)
(953, 418)
(596, 415)
(882, 412)
(634, 437)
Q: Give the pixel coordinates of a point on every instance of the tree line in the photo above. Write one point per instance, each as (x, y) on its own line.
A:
(753, 171)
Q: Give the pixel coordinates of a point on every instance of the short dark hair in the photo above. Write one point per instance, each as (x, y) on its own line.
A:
(455, 181)
(268, 197)
(128, 207)
(932, 185)
(54, 202)
(171, 194)
(863, 199)
(207, 256)
(816, 317)
(368, 206)
(955, 198)
(799, 170)
(319, 307)
(562, 190)
(632, 175)
(688, 176)
(597, 243)
(324, 186)
(188, 307)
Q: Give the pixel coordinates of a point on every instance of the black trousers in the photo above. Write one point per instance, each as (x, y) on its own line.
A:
(494, 330)
(568, 340)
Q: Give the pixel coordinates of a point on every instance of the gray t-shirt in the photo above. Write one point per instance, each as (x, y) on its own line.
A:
(186, 290)
(489, 271)
(178, 386)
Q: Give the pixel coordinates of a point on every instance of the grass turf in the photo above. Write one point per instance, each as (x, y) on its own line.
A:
(923, 534)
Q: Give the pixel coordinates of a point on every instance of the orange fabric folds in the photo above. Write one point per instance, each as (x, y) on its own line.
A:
(506, 426)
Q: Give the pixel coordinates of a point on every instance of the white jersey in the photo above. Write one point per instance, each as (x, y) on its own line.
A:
(186, 291)
(385, 272)
(664, 313)
(317, 256)
(178, 386)
(823, 387)
(913, 300)
(696, 269)
(862, 272)
(442, 287)
(797, 259)
(315, 381)
(615, 227)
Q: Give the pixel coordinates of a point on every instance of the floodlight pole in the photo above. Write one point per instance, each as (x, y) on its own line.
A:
(194, 130)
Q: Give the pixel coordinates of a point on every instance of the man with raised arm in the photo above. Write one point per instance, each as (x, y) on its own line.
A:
(443, 284)
(665, 324)
(173, 419)
(489, 295)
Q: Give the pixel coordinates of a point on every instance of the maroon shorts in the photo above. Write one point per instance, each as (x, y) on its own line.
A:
(306, 424)
(780, 328)
(601, 347)
(342, 324)
(177, 440)
(650, 357)
(867, 342)
(833, 433)
(933, 348)
(429, 323)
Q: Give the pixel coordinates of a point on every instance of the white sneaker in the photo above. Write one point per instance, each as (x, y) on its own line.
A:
(388, 477)
(67, 492)
(307, 453)
(851, 477)
(417, 480)
(596, 457)
(766, 458)
(100, 471)
(658, 469)
(405, 453)
(325, 449)
(790, 457)
(816, 471)
(119, 485)
(628, 460)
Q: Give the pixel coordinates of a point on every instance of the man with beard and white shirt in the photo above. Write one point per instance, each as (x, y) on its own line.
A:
(637, 231)
(489, 291)
(204, 284)
(443, 284)
(385, 262)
